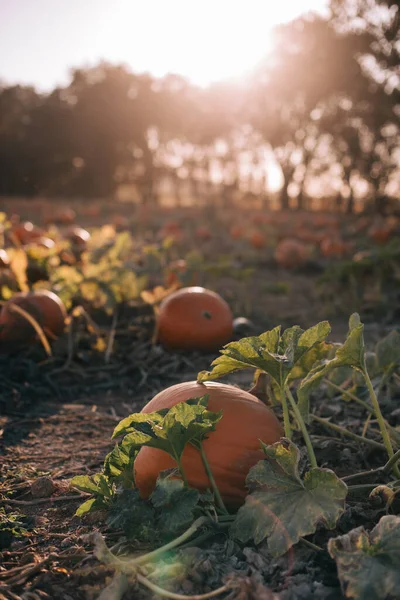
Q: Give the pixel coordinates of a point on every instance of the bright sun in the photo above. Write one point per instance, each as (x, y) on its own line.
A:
(205, 41)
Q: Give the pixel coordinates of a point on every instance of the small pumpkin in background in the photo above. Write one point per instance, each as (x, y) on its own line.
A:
(290, 253)
(203, 233)
(26, 232)
(63, 216)
(380, 234)
(44, 306)
(194, 318)
(236, 232)
(333, 247)
(257, 240)
(231, 450)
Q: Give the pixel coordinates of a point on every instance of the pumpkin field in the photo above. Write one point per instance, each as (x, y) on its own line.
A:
(198, 403)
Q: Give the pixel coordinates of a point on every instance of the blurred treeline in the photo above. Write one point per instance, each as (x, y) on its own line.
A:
(325, 105)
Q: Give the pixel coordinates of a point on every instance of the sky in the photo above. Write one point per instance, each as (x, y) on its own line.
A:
(204, 40)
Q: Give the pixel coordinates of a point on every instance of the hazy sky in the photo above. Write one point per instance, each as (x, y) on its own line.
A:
(204, 40)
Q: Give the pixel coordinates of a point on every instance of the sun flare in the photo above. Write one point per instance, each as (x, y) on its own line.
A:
(205, 42)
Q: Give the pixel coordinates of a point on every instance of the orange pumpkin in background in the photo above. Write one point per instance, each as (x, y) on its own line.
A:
(290, 253)
(26, 232)
(63, 216)
(231, 450)
(203, 233)
(257, 240)
(44, 306)
(380, 234)
(333, 247)
(194, 318)
(236, 232)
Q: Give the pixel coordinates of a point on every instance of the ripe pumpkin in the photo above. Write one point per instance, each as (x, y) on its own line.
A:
(380, 233)
(203, 233)
(231, 450)
(194, 318)
(27, 232)
(335, 247)
(257, 240)
(64, 216)
(236, 232)
(290, 253)
(44, 306)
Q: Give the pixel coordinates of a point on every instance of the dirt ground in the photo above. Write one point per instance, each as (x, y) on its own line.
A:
(57, 416)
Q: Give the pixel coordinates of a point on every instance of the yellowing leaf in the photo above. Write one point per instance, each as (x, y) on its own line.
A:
(18, 265)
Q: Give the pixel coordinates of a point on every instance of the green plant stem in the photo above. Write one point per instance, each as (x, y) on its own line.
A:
(392, 462)
(361, 486)
(302, 425)
(182, 471)
(380, 419)
(210, 476)
(286, 416)
(344, 431)
(311, 545)
(349, 395)
(145, 558)
(167, 594)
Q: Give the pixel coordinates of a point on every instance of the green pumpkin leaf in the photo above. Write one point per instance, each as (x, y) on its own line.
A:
(388, 350)
(170, 429)
(118, 464)
(368, 563)
(90, 506)
(351, 354)
(281, 506)
(135, 516)
(306, 362)
(176, 503)
(271, 352)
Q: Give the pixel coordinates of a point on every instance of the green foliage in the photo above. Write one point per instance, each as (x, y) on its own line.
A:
(175, 504)
(368, 563)
(388, 350)
(13, 526)
(100, 486)
(170, 430)
(283, 507)
(274, 352)
(351, 354)
(135, 516)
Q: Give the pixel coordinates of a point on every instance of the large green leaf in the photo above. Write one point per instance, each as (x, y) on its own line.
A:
(283, 507)
(170, 430)
(271, 352)
(176, 504)
(351, 354)
(388, 350)
(118, 464)
(135, 516)
(368, 563)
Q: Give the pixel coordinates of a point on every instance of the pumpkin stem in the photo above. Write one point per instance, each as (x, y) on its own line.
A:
(214, 486)
(207, 315)
(300, 421)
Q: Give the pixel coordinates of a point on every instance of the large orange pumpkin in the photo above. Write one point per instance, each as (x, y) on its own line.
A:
(231, 450)
(194, 318)
(44, 306)
(290, 253)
